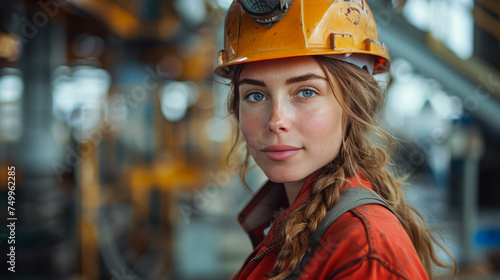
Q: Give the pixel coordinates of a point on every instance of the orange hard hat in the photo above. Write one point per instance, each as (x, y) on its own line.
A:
(342, 29)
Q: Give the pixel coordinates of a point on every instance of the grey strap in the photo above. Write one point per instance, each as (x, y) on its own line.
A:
(349, 198)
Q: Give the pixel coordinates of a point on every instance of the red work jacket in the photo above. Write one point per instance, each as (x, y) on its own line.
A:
(367, 242)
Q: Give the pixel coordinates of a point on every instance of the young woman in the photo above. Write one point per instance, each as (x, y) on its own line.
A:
(306, 104)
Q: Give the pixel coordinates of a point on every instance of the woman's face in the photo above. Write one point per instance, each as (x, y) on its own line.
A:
(289, 117)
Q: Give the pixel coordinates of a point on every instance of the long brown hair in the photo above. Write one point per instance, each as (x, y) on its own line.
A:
(366, 148)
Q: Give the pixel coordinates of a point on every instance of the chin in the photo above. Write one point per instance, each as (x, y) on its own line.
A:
(285, 177)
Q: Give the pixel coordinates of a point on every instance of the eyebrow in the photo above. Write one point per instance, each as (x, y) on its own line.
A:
(303, 78)
(253, 82)
(289, 81)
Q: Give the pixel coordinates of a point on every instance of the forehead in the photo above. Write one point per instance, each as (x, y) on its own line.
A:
(281, 68)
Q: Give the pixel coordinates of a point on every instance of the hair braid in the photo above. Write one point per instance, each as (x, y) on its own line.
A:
(295, 229)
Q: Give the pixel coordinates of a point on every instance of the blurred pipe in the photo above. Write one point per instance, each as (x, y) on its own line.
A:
(486, 21)
(90, 201)
(44, 204)
(467, 147)
(470, 208)
(41, 55)
(119, 20)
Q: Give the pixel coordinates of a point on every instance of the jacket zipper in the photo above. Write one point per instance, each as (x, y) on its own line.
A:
(262, 254)
(258, 257)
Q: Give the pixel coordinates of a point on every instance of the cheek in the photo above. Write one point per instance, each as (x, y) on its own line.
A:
(325, 129)
(249, 125)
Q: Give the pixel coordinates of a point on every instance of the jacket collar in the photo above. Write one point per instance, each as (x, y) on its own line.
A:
(271, 200)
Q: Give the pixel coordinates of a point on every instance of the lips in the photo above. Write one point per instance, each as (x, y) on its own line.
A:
(281, 152)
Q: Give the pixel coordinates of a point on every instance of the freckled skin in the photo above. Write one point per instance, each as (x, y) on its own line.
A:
(285, 116)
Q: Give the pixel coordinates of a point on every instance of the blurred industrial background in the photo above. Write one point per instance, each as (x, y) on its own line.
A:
(114, 122)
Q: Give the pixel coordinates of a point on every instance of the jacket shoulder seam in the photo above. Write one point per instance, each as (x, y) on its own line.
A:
(359, 261)
(370, 236)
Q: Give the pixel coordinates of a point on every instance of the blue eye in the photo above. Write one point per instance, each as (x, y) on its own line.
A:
(256, 97)
(306, 93)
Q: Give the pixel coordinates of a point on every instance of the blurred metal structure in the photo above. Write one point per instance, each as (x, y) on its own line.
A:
(87, 35)
(430, 58)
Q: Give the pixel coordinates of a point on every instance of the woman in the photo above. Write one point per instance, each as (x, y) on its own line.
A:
(306, 104)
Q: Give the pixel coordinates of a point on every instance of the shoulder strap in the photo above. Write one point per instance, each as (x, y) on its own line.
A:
(349, 198)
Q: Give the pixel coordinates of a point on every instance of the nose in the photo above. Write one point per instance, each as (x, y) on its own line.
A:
(278, 120)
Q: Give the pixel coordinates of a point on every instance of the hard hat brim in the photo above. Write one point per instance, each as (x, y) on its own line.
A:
(226, 69)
